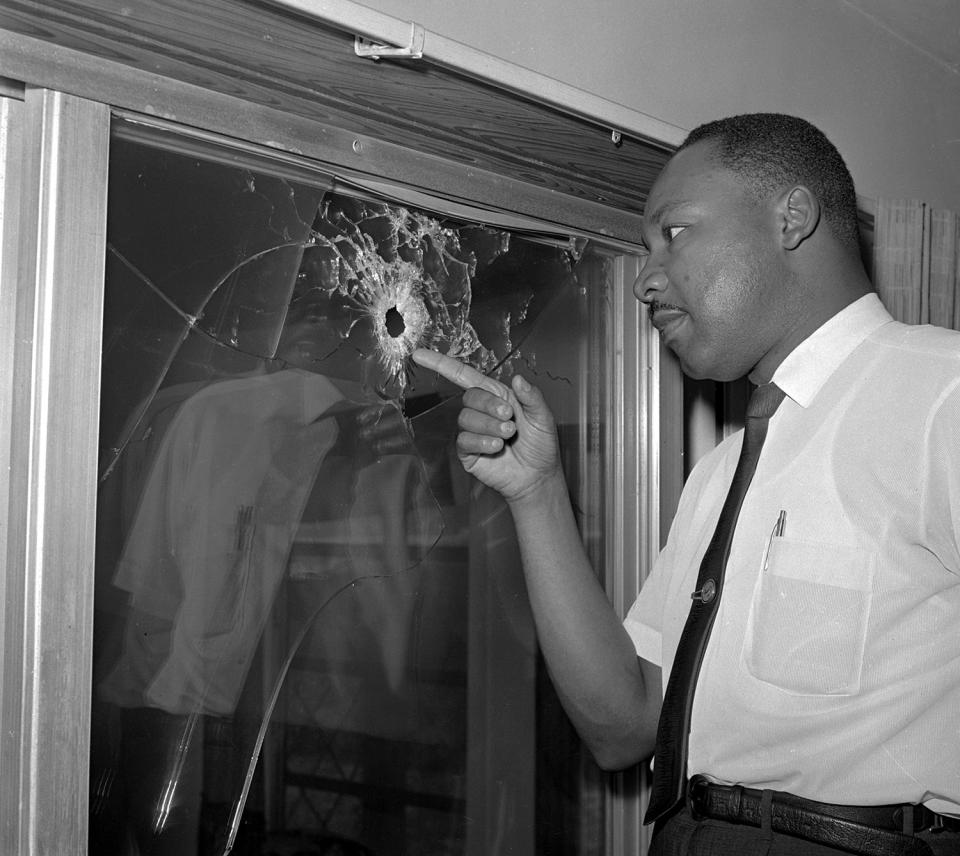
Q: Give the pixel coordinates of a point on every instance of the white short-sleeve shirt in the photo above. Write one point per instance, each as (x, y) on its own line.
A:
(833, 667)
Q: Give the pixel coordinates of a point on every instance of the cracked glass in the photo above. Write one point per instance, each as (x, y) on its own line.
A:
(311, 629)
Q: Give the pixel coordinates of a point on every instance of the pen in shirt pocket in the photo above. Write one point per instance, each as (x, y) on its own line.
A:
(777, 532)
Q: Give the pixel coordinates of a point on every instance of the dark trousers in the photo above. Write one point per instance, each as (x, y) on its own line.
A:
(681, 835)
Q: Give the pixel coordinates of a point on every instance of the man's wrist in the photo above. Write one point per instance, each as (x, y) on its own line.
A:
(543, 491)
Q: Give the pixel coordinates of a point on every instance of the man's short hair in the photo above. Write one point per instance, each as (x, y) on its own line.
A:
(771, 151)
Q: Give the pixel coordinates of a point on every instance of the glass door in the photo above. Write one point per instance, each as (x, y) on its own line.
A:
(311, 631)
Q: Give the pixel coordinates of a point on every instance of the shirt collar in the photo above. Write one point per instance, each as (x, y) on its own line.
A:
(808, 366)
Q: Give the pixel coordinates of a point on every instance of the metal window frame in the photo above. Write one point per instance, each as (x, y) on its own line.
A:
(54, 153)
(52, 389)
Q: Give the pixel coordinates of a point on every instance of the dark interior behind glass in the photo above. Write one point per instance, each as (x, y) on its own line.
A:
(311, 630)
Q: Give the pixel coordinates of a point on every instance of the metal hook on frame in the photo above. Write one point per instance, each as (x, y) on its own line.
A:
(372, 50)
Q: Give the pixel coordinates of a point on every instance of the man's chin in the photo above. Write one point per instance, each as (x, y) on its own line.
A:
(699, 369)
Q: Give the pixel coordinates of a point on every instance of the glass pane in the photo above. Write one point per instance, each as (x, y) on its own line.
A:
(311, 631)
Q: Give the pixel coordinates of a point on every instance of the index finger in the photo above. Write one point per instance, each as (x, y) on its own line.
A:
(464, 376)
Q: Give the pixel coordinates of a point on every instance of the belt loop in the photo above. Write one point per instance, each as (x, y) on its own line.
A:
(909, 823)
(766, 803)
(766, 817)
(692, 797)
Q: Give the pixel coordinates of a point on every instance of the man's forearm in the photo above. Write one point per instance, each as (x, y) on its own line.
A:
(611, 700)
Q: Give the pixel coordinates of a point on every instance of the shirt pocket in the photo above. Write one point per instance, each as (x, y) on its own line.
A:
(808, 618)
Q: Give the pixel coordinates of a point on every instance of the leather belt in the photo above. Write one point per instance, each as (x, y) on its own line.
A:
(867, 830)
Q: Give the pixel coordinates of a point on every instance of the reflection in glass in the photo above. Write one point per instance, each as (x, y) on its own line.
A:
(311, 631)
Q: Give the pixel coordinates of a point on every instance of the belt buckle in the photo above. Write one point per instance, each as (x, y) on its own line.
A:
(923, 819)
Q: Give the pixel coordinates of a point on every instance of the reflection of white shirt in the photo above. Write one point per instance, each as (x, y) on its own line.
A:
(832, 671)
(212, 532)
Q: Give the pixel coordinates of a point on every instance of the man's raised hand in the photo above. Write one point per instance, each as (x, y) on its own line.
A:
(508, 436)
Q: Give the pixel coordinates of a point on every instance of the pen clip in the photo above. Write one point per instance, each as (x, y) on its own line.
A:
(781, 525)
(778, 529)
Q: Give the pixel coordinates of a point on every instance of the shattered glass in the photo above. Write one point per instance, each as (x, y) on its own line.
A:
(309, 620)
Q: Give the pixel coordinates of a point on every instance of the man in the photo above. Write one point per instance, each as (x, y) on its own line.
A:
(831, 677)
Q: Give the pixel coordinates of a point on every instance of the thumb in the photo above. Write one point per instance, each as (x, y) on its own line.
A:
(530, 398)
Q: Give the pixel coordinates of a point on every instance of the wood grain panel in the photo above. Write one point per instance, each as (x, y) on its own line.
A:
(269, 56)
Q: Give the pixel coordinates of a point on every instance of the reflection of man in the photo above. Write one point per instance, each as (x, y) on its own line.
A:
(222, 503)
(825, 715)
(219, 512)
(212, 532)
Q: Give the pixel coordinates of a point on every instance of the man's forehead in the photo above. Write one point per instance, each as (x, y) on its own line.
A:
(686, 179)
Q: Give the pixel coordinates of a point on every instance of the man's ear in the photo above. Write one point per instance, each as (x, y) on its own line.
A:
(799, 212)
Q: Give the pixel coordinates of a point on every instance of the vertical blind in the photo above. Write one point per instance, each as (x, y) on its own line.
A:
(916, 262)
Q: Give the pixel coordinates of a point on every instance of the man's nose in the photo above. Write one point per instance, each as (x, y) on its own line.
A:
(650, 282)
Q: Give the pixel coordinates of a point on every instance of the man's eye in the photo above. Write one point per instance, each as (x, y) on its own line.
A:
(671, 232)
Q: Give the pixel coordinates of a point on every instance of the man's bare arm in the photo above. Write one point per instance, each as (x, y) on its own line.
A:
(508, 440)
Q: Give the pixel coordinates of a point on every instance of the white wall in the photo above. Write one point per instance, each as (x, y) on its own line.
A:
(892, 110)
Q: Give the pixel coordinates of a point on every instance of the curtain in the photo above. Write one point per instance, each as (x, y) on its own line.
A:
(916, 262)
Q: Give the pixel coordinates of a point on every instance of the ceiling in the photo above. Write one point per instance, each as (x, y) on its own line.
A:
(930, 26)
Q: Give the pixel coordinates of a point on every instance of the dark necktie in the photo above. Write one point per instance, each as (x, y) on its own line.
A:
(673, 729)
